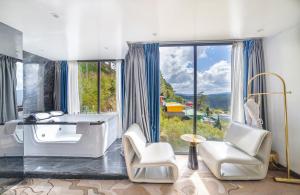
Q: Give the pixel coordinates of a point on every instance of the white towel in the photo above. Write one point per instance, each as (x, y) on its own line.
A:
(252, 113)
(10, 126)
(56, 113)
(82, 127)
(42, 115)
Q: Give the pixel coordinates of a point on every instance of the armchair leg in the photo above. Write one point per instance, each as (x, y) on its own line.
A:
(193, 160)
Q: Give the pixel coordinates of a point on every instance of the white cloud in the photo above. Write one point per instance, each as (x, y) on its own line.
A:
(177, 69)
(202, 51)
(217, 79)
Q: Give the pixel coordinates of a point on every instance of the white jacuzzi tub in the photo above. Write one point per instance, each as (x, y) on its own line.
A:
(65, 140)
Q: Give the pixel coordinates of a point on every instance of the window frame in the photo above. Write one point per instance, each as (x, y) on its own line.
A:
(99, 63)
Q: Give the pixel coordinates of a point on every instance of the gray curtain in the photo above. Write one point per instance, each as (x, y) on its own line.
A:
(135, 98)
(255, 64)
(8, 83)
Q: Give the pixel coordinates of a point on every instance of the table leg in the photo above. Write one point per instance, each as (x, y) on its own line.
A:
(193, 160)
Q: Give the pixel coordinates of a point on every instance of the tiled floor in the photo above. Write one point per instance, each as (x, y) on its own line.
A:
(11, 166)
(200, 182)
(6, 183)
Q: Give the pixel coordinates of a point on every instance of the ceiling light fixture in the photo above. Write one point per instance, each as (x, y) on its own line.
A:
(54, 15)
(260, 30)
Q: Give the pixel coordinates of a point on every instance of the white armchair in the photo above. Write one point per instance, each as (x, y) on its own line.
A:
(149, 163)
(243, 155)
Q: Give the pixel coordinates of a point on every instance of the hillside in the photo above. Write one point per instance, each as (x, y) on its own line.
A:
(219, 101)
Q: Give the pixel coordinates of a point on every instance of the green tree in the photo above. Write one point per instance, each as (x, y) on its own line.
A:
(108, 88)
(88, 86)
(218, 123)
(167, 91)
(201, 101)
(207, 111)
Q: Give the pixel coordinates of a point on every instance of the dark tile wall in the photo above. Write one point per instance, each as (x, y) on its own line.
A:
(38, 83)
(49, 75)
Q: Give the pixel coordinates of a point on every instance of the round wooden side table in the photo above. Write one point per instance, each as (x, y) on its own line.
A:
(193, 140)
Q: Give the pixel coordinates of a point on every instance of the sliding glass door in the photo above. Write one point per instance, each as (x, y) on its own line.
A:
(176, 98)
(213, 90)
(212, 79)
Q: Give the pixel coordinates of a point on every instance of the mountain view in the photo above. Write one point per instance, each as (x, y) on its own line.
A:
(216, 101)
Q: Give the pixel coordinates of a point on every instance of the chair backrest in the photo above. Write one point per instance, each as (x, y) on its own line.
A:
(134, 143)
(136, 138)
(246, 138)
(265, 150)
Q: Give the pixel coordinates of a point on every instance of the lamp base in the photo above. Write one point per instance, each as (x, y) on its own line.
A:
(287, 180)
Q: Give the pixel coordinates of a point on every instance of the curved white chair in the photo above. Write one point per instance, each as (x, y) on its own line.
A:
(244, 155)
(148, 163)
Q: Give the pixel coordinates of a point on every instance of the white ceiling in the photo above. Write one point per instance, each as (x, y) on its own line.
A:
(94, 29)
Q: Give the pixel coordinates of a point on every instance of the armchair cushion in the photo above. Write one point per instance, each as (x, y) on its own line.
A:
(137, 139)
(224, 152)
(158, 153)
(246, 138)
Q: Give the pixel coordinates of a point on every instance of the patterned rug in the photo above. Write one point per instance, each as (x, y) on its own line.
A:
(200, 182)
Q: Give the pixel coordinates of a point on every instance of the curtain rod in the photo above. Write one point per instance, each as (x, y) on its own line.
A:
(194, 42)
(108, 60)
(17, 59)
(56, 123)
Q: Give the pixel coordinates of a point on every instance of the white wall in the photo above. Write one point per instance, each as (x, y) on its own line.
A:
(282, 55)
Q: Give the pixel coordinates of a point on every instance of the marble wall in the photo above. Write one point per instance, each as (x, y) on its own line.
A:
(38, 83)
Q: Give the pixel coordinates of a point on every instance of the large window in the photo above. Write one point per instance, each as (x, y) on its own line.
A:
(213, 68)
(97, 86)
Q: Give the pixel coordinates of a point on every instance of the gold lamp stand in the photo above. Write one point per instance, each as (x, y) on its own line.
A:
(287, 179)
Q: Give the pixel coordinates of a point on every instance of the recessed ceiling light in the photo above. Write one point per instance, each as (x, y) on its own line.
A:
(55, 15)
(260, 30)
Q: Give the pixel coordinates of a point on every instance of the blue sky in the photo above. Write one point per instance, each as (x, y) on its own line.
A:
(213, 54)
(214, 68)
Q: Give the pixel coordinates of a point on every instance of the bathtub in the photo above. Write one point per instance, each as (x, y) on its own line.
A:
(64, 140)
(11, 144)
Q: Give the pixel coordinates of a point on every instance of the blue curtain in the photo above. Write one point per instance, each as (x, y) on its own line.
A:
(153, 87)
(64, 86)
(254, 64)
